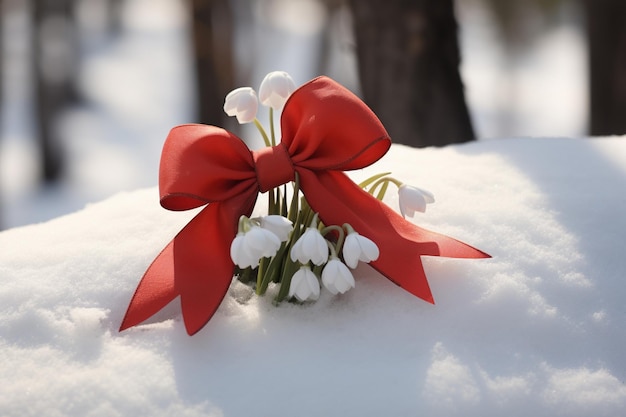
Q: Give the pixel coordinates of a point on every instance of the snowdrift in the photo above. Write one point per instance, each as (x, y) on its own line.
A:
(536, 330)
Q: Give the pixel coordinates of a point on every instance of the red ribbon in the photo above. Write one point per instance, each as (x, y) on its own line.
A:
(325, 130)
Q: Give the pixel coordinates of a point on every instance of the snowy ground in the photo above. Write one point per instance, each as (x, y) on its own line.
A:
(536, 330)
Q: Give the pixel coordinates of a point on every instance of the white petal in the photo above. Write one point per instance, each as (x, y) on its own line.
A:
(242, 103)
(262, 242)
(304, 285)
(314, 286)
(279, 225)
(412, 199)
(275, 89)
(351, 250)
(320, 252)
(311, 246)
(236, 248)
(369, 249)
(336, 277)
(296, 252)
(240, 253)
(428, 196)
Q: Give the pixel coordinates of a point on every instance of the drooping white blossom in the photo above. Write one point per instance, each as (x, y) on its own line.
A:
(275, 89)
(336, 277)
(279, 225)
(304, 285)
(261, 241)
(311, 246)
(248, 248)
(359, 248)
(412, 199)
(240, 256)
(242, 103)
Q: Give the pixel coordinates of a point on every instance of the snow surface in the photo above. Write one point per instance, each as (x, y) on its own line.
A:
(535, 331)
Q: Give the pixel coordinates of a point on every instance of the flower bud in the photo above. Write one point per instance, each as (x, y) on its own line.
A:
(336, 277)
(359, 248)
(242, 103)
(304, 285)
(275, 89)
(311, 246)
(412, 199)
(279, 225)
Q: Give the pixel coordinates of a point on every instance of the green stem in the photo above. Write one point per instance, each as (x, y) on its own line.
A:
(273, 270)
(383, 183)
(372, 179)
(383, 191)
(293, 209)
(260, 127)
(272, 133)
(333, 251)
(260, 275)
(283, 207)
(340, 239)
(271, 204)
(289, 268)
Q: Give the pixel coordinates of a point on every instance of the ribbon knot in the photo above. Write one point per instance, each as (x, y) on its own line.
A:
(326, 129)
(273, 167)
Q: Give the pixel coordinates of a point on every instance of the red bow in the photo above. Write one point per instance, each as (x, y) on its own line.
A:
(325, 130)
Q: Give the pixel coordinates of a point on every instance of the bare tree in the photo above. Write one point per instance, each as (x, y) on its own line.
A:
(54, 56)
(409, 58)
(212, 46)
(606, 21)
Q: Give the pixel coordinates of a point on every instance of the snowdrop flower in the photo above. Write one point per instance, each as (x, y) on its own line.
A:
(242, 103)
(249, 247)
(412, 199)
(240, 255)
(304, 285)
(279, 225)
(358, 248)
(336, 277)
(275, 89)
(311, 246)
(262, 241)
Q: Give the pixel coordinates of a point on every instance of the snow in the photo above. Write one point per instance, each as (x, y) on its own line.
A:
(536, 330)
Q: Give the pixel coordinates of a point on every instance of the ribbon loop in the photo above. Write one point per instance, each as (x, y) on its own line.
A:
(273, 167)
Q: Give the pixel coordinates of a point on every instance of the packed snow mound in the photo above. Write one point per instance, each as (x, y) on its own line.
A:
(536, 330)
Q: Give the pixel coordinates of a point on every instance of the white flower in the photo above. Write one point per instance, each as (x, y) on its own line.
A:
(359, 248)
(412, 199)
(242, 103)
(249, 247)
(304, 285)
(261, 241)
(279, 225)
(275, 89)
(336, 277)
(311, 246)
(240, 255)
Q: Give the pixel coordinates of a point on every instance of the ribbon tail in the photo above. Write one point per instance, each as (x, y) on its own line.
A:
(339, 200)
(155, 290)
(196, 265)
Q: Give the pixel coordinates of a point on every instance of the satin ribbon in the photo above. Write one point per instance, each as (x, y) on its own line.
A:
(325, 130)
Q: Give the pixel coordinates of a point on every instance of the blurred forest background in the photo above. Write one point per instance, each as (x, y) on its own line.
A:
(90, 88)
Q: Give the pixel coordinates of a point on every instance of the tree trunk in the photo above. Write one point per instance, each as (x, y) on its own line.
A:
(212, 42)
(606, 21)
(1, 82)
(409, 58)
(54, 63)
